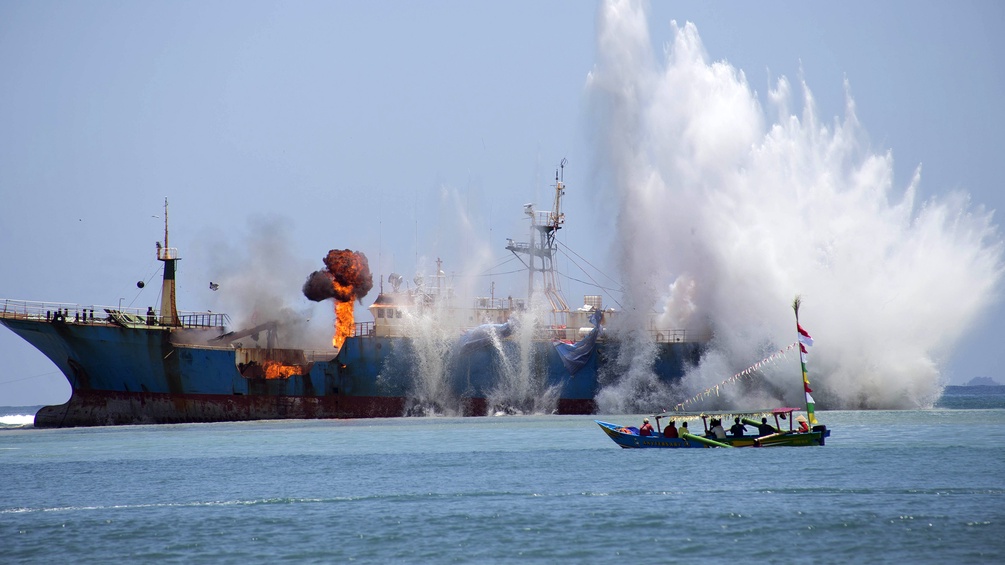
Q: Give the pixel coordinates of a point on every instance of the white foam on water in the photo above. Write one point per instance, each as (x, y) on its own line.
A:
(19, 420)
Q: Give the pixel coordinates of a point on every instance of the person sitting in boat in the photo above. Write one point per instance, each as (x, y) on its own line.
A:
(765, 429)
(646, 429)
(717, 430)
(670, 430)
(737, 429)
(683, 429)
(803, 425)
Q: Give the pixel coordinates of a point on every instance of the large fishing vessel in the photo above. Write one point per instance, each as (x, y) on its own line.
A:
(421, 354)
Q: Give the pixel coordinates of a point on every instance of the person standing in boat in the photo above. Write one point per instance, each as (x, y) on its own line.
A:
(737, 429)
(765, 429)
(646, 429)
(670, 430)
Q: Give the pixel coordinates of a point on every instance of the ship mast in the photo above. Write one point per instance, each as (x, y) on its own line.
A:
(544, 227)
(169, 255)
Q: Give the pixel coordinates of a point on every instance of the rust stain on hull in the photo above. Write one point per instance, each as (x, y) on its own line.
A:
(98, 408)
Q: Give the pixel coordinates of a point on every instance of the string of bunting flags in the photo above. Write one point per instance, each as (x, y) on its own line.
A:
(746, 372)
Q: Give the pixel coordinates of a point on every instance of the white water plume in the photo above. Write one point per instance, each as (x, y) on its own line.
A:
(432, 340)
(725, 214)
(436, 327)
(521, 387)
(518, 385)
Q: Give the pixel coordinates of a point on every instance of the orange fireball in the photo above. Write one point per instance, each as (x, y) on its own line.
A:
(346, 279)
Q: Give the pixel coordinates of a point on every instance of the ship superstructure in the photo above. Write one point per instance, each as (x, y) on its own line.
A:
(492, 355)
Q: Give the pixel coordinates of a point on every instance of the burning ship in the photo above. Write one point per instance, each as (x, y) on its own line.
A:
(421, 354)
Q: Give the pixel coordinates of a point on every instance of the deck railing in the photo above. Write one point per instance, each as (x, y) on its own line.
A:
(76, 313)
(315, 355)
(671, 336)
(559, 333)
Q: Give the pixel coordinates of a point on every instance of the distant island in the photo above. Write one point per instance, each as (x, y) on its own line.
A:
(982, 381)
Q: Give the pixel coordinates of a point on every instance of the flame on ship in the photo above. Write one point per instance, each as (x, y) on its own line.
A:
(346, 278)
(343, 323)
(276, 370)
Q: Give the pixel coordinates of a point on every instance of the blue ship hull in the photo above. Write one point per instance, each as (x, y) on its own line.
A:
(473, 377)
(121, 375)
(137, 374)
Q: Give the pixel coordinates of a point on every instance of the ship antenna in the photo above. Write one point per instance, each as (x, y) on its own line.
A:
(169, 310)
(166, 223)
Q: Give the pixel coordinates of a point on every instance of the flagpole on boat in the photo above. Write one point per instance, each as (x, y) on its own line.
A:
(804, 341)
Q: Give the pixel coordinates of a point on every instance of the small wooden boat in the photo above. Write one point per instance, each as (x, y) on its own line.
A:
(783, 432)
(714, 435)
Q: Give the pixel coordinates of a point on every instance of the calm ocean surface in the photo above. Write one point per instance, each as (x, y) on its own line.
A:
(922, 486)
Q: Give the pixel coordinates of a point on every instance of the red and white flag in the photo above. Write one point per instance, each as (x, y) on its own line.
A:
(804, 336)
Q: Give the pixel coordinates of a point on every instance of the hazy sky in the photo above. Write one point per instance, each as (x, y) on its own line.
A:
(409, 131)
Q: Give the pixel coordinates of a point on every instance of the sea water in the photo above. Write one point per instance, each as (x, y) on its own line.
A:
(919, 486)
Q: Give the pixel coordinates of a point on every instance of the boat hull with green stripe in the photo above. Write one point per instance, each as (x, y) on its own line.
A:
(784, 431)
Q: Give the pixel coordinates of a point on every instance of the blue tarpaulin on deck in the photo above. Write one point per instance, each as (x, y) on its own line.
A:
(484, 335)
(575, 355)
